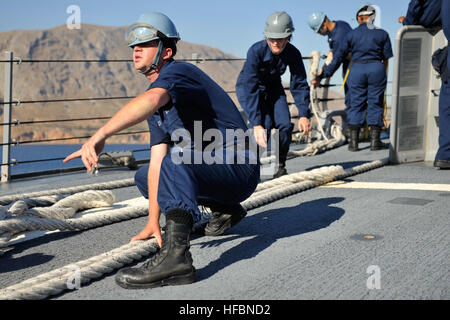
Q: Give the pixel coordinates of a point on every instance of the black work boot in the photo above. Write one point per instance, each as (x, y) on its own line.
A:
(224, 216)
(282, 163)
(281, 171)
(354, 139)
(442, 164)
(171, 265)
(375, 141)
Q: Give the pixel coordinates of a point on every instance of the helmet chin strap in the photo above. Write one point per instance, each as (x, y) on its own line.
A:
(155, 61)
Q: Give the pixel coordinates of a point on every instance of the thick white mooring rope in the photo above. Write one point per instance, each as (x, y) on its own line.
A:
(58, 280)
(5, 200)
(64, 208)
(24, 215)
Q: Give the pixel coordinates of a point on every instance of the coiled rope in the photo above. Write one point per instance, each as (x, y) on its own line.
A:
(57, 281)
(320, 146)
(310, 150)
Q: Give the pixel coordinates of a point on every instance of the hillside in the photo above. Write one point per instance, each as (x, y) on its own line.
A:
(62, 80)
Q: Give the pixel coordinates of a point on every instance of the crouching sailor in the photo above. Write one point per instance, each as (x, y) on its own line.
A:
(179, 98)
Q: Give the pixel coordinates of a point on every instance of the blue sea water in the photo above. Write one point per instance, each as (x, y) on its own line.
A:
(50, 151)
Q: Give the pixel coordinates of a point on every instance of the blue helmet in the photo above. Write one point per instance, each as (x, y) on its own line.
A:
(316, 20)
(149, 27)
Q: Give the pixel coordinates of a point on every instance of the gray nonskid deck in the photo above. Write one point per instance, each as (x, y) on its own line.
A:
(306, 246)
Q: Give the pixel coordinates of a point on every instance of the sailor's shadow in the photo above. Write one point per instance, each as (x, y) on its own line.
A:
(13, 261)
(345, 165)
(267, 227)
(10, 264)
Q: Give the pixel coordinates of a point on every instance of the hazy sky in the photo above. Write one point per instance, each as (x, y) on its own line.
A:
(231, 25)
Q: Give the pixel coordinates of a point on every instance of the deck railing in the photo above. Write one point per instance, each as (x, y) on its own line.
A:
(10, 102)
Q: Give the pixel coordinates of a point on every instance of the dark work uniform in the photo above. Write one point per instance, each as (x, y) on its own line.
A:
(198, 106)
(336, 39)
(424, 13)
(444, 98)
(369, 46)
(261, 94)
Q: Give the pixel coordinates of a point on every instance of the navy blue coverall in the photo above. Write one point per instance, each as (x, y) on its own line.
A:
(261, 94)
(444, 98)
(336, 39)
(424, 13)
(369, 46)
(198, 105)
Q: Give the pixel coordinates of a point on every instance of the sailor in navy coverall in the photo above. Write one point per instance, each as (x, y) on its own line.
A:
(423, 13)
(370, 47)
(182, 103)
(260, 91)
(197, 100)
(442, 159)
(336, 31)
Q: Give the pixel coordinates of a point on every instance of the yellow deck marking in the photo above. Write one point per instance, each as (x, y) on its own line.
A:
(387, 186)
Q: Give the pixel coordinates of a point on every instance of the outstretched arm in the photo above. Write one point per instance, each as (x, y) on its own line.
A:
(137, 110)
(414, 11)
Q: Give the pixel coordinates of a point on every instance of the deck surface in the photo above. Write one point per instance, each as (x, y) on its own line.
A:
(306, 246)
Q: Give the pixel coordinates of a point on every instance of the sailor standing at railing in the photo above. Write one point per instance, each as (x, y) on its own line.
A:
(179, 97)
(337, 32)
(260, 90)
(370, 48)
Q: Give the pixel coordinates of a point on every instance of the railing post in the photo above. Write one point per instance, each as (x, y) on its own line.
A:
(195, 57)
(7, 107)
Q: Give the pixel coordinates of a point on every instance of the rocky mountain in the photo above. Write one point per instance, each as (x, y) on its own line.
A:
(69, 80)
